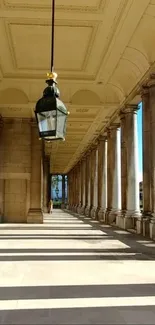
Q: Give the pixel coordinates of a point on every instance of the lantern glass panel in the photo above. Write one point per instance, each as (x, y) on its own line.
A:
(61, 124)
(46, 121)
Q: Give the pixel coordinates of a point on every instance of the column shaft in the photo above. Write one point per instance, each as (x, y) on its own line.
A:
(133, 206)
(1, 178)
(102, 177)
(115, 174)
(92, 183)
(63, 192)
(35, 213)
(88, 175)
(83, 176)
(45, 184)
(146, 129)
(123, 163)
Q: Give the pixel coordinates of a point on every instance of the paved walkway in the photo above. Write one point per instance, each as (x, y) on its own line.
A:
(71, 270)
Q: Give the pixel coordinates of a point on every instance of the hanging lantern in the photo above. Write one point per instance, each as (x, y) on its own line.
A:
(51, 114)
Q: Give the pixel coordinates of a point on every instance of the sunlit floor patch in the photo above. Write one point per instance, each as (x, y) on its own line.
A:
(70, 254)
(122, 232)
(76, 303)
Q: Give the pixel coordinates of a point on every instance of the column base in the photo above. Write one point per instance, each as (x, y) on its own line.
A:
(35, 216)
(124, 222)
(152, 227)
(45, 209)
(146, 226)
(1, 218)
(87, 210)
(62, 205)
(107, 215)
(93, 212)
(133, 213)
(72, 207)
(101, 214)
(75, 208)
(120, 221)
(78, 208)
(135, 222)
(82, 209)
(112, 216)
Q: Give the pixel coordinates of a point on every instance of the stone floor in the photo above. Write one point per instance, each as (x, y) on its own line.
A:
(71, 270)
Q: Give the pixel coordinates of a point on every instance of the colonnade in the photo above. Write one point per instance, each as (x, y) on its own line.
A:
(105, 183)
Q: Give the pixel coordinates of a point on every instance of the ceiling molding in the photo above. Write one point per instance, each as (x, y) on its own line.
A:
(29, 5)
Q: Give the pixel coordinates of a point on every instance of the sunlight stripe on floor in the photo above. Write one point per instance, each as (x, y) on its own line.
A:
(76, 303)
(69, 254)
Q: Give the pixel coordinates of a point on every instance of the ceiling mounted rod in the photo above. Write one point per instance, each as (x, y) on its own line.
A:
(52, 36)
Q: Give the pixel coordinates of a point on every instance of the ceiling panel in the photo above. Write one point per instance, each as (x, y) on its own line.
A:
(35, 54)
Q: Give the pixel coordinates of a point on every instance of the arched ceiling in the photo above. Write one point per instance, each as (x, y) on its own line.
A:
(103, 51)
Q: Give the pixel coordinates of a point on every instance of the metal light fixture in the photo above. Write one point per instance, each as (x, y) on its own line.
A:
(51, 113)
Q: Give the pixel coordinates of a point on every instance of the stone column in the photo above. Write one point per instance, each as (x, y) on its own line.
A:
(45, 184)
(146, 136)
(69, 190)
(79, 188)
(76, 189)
(86, 182)
(96, 186)
(83, 185)
(63, 192)
(133, 203)
(115, 173)
(146, 127)
(1, 174)
(73, 189)
(35, 213)
(151, 85)
(121, 217)
(92, 184)
(88, 173)
(102, 178)
(49, 182)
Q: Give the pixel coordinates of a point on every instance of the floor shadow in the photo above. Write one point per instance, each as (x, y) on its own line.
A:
(77, 291)
(143, 315)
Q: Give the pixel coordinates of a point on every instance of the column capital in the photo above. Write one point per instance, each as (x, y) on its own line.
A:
(102, 138)
(130, 109)
(83, 158)
(88, 153)
(151, 80)
(93, 148)
(144, 91)
(112, 127)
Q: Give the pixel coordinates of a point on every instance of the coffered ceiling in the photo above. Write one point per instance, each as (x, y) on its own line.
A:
(103, 51)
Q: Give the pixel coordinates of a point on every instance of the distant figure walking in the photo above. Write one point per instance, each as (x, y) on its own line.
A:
(50, 206)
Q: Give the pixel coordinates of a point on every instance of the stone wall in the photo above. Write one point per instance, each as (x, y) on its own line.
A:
(15, 169)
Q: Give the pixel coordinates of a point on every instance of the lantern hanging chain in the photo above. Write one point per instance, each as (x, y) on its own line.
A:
(52, 36)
